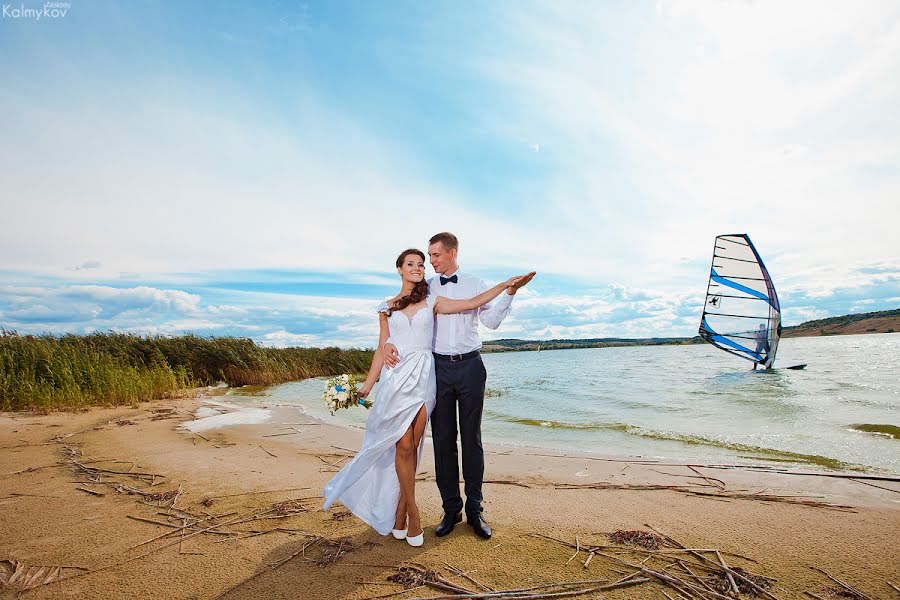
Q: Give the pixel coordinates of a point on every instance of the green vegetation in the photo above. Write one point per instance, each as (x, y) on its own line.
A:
(48, 372)
(513, 345)
(891, 431)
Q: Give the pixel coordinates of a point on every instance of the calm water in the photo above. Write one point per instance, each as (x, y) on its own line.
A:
(687, 402)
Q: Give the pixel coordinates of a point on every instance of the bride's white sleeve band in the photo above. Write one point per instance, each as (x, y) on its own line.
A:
(383, 308)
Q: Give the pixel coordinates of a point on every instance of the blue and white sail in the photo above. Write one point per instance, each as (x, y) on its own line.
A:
(741, 314)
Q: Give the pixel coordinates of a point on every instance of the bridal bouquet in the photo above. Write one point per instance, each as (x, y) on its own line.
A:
(342, 392)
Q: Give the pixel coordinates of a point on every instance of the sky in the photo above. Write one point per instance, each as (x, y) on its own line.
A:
(254, 169)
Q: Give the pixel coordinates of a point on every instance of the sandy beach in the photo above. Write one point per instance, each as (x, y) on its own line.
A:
(132, 504)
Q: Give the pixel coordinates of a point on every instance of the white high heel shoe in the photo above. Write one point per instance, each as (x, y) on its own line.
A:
(399, 534)
(416, 540)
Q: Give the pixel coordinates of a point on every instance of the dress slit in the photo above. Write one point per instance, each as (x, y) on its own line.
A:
(368, 485)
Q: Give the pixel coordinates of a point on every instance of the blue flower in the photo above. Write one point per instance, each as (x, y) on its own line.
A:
(339, 389)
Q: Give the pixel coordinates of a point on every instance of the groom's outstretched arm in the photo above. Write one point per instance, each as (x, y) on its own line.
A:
(492, 315)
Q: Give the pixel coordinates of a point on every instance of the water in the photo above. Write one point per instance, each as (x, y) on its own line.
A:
(688, 403)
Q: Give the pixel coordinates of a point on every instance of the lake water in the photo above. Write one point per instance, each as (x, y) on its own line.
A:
(686, 403)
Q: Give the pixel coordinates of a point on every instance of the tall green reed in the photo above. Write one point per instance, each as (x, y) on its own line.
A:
(71, 371)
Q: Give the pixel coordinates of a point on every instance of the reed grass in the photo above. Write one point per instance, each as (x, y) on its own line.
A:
(71, 371)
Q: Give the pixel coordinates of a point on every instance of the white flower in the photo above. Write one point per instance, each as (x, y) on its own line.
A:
(341, 391)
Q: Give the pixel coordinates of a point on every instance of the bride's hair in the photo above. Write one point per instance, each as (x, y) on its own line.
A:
(419, 291)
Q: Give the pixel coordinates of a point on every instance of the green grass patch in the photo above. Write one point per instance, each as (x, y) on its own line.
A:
(886, 430)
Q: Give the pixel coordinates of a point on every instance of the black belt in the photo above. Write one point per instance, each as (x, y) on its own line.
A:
(456, 357)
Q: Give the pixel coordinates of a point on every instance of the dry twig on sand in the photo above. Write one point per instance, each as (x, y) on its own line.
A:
(412, 575)
(96, 476)
(846, 589)
(331, 467)
(505, 482)
(258, 492)
(543, 591)
(164, 412)
(315, 540)
(460, 573)
(644, 539)
(724, 583)
(264, 450)
(291, 506)
(19, 577)
(334, 550)
(774, 498)
(720, 582)
(717, 495)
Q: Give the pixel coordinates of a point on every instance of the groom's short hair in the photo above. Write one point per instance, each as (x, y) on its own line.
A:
(447, 239)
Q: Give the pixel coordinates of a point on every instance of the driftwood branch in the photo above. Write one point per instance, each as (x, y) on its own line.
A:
(844, 585)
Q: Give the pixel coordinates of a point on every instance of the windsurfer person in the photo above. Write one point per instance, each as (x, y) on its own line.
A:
(762, 341)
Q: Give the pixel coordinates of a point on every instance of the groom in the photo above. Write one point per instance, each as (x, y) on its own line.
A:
(460, 377)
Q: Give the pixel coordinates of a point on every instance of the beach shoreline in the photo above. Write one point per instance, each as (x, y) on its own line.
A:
(844, 526)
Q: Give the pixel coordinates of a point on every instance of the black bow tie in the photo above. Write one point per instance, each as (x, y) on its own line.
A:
(451, 279)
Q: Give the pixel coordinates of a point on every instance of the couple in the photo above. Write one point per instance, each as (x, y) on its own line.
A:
(429, 363)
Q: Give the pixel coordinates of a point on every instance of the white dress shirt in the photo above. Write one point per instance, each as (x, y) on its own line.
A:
(458, 333)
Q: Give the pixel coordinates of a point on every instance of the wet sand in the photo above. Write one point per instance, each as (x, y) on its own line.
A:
(273, 472)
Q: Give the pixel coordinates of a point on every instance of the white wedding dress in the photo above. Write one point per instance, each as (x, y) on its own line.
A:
(368, 485)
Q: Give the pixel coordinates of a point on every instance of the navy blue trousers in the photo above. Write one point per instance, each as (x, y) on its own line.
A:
(460, 387)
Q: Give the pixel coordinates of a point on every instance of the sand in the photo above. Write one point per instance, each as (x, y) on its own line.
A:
(235, 471)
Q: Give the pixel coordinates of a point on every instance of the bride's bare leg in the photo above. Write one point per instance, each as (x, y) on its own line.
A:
(405, 464)
(400, 519)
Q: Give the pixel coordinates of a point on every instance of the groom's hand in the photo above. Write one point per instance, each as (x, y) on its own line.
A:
(522, 281)
(391, 356)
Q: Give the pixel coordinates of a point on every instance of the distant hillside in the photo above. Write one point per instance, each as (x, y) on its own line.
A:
(511, 345)
(886, 321)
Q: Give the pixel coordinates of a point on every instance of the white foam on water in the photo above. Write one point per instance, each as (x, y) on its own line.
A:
(206, 411)
(224, 415)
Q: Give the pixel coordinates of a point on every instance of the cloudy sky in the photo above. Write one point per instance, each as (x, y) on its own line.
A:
(254, 168)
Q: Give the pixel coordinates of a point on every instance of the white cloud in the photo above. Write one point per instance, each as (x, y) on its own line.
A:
(773, 130)
(204, 185)
(658, 130)
(282, 338)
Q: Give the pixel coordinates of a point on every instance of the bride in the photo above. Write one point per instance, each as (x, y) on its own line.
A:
(378, 485)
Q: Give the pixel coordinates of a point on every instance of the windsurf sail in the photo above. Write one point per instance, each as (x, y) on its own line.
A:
(741, 314)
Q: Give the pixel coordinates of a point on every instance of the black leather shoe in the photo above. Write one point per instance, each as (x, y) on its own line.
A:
(447, 523)
(479, 525)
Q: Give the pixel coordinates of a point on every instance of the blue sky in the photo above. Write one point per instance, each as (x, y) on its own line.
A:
(253, 169)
